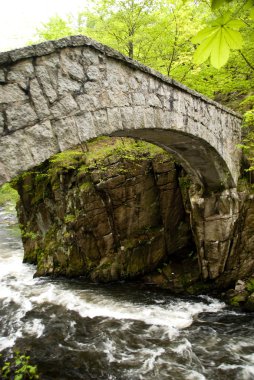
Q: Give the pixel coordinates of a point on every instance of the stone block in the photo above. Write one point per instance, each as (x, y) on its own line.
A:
(64, 107)
(133, 83)
(5, 58)
(139, 117)
(62, 42)
(100, 119)
(40, 103)
(127, 114)
(20, 116)
(93, 73)
(114, 119)
(138, 99)
(11, 93)
(21, 72)
(90, 57)
(153, 100)
(93, 88)
(72, 67)
(119, 98)
(85, 127)
(149, 118)
(22, 53)
(45, 80)
(17, 156)
(88, 103)
(50, 61)
(66, 132)
(67, 85)
(44, 48)
(42, 142)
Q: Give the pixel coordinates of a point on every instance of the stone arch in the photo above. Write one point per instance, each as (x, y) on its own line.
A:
(61, 93)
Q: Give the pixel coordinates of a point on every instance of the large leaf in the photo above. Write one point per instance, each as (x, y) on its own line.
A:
(235, 24)
(204, 50)
(203, 34)
(220, 50)
(233, 38)
(217, 40)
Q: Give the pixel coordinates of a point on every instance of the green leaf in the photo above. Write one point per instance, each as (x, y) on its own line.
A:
(217, 41)
(221, 21)
(252, 14)
(236, 24)
(18, 377)
(233, 38)
(203, 34)
(204, 50)
(220, 50)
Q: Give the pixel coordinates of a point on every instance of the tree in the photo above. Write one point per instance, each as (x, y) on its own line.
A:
(55, 28)
(159, 34)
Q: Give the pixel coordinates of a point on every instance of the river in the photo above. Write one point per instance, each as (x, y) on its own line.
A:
(76, 330)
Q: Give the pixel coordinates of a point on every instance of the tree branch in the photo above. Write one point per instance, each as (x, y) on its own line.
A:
(246, 60)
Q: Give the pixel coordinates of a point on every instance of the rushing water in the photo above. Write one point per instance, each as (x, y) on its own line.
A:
(76, 330)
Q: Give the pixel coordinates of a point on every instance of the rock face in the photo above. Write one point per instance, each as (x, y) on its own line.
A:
(124, 209)
(119, 215)
(223, 228)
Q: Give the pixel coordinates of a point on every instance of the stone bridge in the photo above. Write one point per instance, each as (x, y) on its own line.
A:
(59, 94)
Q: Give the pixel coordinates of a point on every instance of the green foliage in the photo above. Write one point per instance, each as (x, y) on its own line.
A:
(69, 218)
(248, 130)
(215, 4)
(86, 186)
(29, 235)
(8, 195)
(18, 367)
(250, 285)
(55, 28)
(159, 34)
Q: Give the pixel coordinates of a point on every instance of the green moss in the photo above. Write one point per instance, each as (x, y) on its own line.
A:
(250, 285)
(29, 235)
(70, 218)
(238, 299)
(86, 186)
(184, 182)
(243, 184)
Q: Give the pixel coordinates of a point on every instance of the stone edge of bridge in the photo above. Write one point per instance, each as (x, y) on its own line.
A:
(49, 47)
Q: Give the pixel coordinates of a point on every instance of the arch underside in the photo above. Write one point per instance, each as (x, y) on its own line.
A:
(205, 165)
(198, 158)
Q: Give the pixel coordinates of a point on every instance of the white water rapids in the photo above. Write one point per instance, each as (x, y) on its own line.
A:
(76, 330)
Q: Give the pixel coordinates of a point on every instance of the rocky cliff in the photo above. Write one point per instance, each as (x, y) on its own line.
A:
(114, 211)
(117, 208)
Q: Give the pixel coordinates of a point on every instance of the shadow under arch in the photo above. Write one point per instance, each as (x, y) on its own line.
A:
(198, 158)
